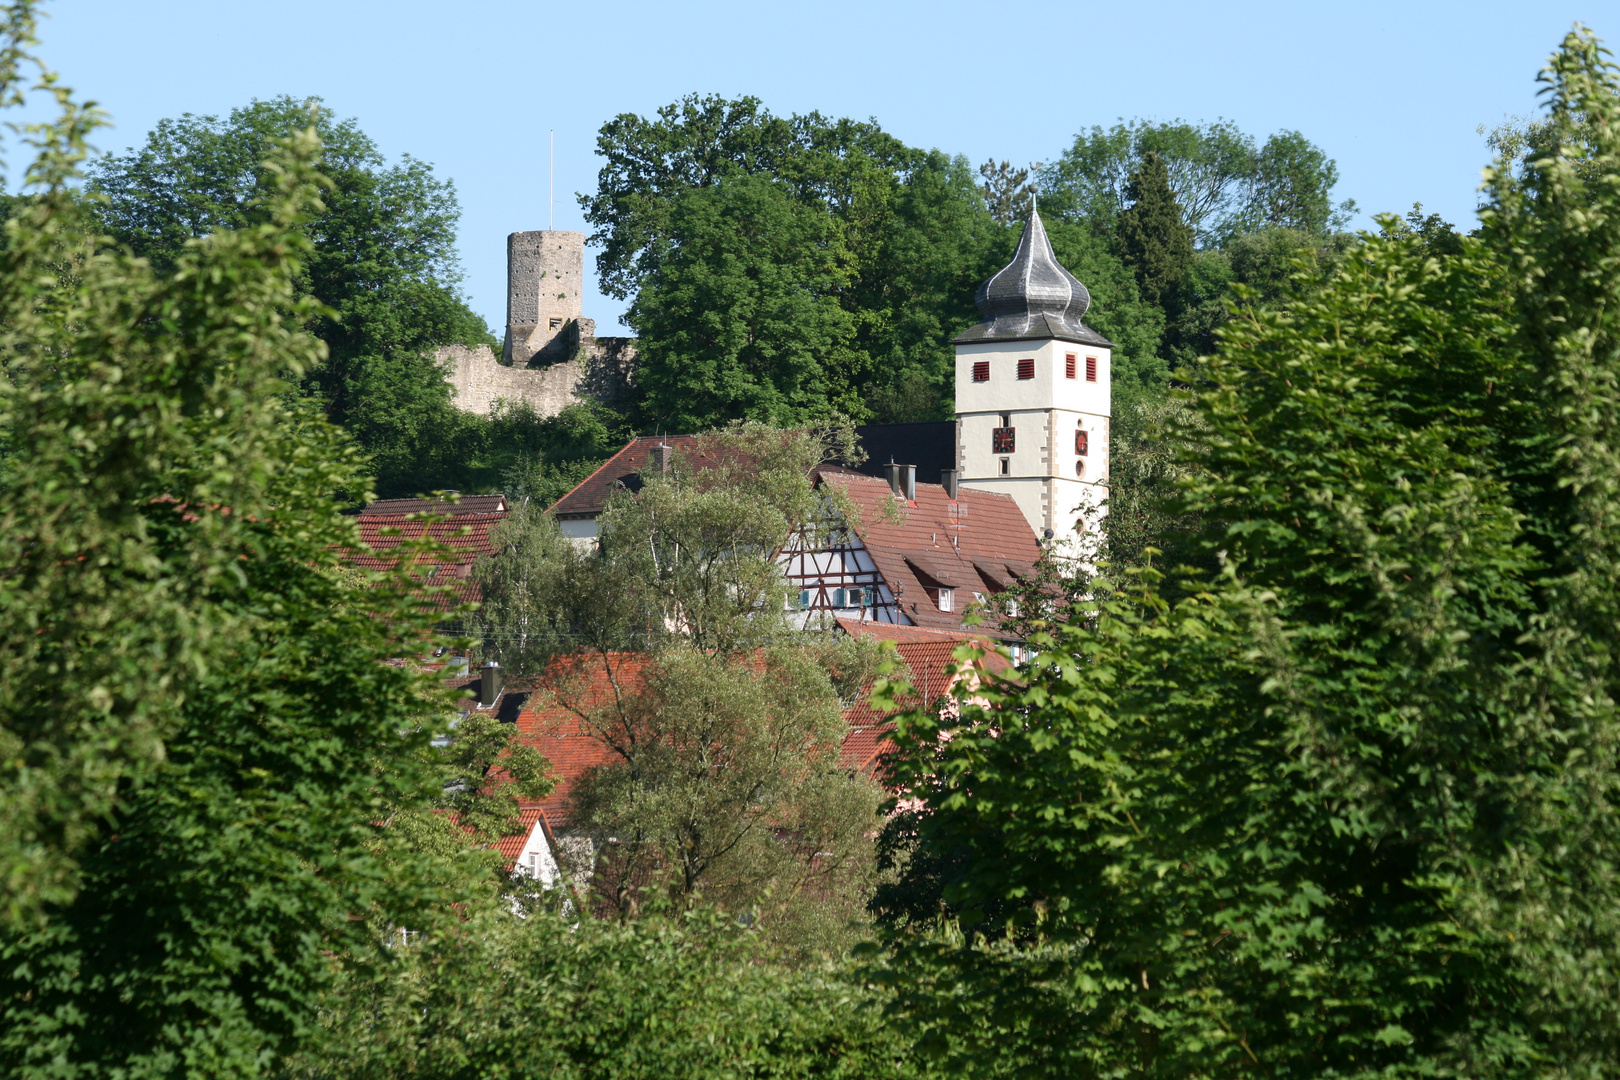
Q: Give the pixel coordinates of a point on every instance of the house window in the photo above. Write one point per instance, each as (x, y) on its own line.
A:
(1091, 369)
(556, 324)
(981, 371)
(1082, 441)
(1026, 369)
(1006, 466)
(1003, 440)
(1068, 366)
(946, 596)
(1080, 467)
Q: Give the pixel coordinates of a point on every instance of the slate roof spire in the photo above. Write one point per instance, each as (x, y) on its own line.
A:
(1033, 297)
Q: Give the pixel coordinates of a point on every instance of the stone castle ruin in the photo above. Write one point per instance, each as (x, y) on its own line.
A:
(552, 357)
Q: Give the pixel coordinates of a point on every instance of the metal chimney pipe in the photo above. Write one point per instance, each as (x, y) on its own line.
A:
(948, 479)
(489, 685)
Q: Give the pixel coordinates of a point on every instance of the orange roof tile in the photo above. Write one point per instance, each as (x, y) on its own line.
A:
(932, 671)
(465, 504)
(511, 845)
(976, 543)
(467, 535)
(621, 470)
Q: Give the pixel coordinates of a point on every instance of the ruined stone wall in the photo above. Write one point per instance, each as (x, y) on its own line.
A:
(598, 369)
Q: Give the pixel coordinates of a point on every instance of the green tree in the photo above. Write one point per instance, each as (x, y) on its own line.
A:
(660, 998)
(1344, 804)
(1224, 181)
(1008, 191)
(725, 722)
(1259, 267)
(1152, 238)
(740, 318)
(906, 229)
(198, 724)
(382, 260)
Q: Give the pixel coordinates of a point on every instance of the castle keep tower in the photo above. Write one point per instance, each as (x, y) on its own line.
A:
(1033, 402)
(545, 274)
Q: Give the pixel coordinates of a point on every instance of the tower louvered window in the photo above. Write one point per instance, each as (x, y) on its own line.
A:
(981, 371)
(1026, 369)
(1091, 369)
(1068, 366)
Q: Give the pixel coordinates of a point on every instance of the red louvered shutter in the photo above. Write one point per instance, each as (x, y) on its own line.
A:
(1026, 369)
(981, 371)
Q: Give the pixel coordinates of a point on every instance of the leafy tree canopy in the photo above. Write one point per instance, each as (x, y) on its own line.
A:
(1225, 181)
(884, 244)
(1342, 804)
(381, 260)
(199, 725)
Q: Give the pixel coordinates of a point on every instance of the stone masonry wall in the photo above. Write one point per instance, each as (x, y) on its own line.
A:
(599, 369)
(545, 273)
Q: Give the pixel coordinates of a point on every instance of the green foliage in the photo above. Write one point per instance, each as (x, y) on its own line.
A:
(726, 781)
(381, 262)
(1224, 180)
(1344, 805)
(1152, 238)
(516, 622)
(1117, 311)
(199, 727)
(1261, 267)
(882, 246)
(740, 317)
(1008, 192)
(724, 722)
(689, 557)
(664, 998)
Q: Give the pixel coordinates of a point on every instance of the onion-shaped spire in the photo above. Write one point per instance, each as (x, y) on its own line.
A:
(1033, 296)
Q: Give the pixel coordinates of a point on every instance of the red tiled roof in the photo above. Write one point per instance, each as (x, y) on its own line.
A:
(466, 504)
(511, 845)
(993, 543)
(549, 720)
(622, 469)
(931, 669)
(467, 535)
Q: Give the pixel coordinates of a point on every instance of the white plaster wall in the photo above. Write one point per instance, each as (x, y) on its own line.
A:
(536, 859)
(1044, 411)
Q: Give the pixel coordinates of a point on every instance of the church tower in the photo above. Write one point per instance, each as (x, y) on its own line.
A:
(1032, 393)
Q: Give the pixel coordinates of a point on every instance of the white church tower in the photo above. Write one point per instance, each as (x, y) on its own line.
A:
(1032, 393)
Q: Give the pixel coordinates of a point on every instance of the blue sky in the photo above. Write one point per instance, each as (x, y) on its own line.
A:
(1393, 91)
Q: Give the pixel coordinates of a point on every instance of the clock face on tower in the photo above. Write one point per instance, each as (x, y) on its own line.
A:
(1002, 440)
(1081, 442)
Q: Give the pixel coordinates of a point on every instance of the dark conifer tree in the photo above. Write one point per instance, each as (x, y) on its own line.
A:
(1154, 240)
